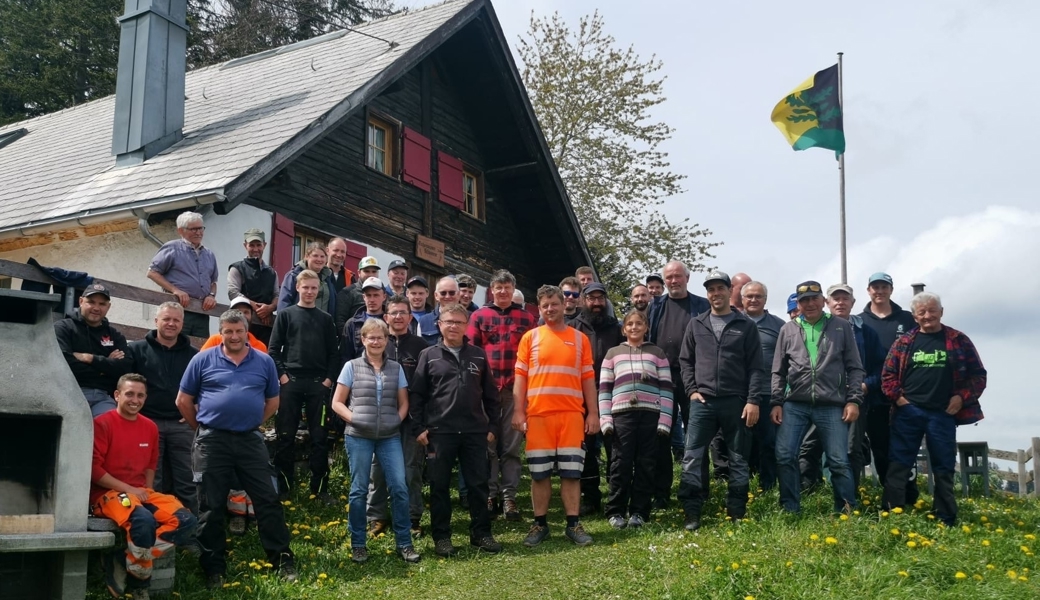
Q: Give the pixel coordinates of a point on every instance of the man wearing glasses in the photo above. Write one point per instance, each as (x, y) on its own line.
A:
(446, 292)
(571, 288)
(817, 380)
(188, 270)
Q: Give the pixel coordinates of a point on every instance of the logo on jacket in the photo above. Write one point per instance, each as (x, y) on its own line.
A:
(107, 341)
(899, 328)
(473, 369)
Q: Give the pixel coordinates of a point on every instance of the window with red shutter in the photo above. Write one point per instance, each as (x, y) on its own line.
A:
(415, 169)
(282, 239)
(449, 180)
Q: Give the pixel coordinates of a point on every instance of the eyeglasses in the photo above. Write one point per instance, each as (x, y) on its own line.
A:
(399, 313)
(754, 297)
(452, 323)
(447, 293)
(373, 338)
(195, 229)
(568, 294)
(812, 287)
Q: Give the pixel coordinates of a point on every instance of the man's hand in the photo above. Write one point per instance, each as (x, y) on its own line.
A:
(956, 404)
(777, 414)
(696, 397)
(208, 302)
(140, 493)
(592, 425)
(863, 386)
(851, 412)
(750, 414)
(263, 311)
(424, 438)
(349, 417)
(284, 379)
(182, 297)
(491, 437)
(327, 383)
(519, 422)
(117, 355)
(902, 401)
(83, 357)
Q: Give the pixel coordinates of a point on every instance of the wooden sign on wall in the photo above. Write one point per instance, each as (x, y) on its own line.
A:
(430, 250)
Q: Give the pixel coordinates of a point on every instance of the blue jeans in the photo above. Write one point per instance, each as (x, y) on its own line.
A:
(834, 435)
(909, 424)
(391, 457)
(100, 401)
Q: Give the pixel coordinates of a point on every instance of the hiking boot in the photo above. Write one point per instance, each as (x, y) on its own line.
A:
(408, 554)
(377, 527)
(114, 568)
(578, 536)
(417, 530)
(359, 554)
(237, 525)
(536, 535)
(511, 510)
(636, 520)
(444, 548)
(139, 594)
(287, 571)
(617, 522)
(214, 581)
(692, 524)
(486, 544)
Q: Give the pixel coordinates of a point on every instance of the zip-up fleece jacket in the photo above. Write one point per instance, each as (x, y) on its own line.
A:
(74, 335)
(453, 395)
(374, 420)
(729, 366)
(888, 329)
(163, 368)
(288, 296)
(836, 378)
(698, 305)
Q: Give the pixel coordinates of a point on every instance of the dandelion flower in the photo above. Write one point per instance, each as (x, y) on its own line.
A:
(789, 564)
(322, 576)
(961, 575)
(1024, 548)
(990, 567)
(735, 566)
(965, 529)
(985, 542)
(1011, 574)
(904, 574)
(911, 544)
(984, 518)
(895, 531)
(843, 517)
(855, 512)
(831, 540)
(977, 577)
(898, 510)
(1000, 530)
(866, 502)
(718, 569)
(884, 514)
(1030, 536)
(749, 597)
(814, 537)
(1023, 578)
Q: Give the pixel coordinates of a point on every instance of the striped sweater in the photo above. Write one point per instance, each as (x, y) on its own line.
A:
(635, 378)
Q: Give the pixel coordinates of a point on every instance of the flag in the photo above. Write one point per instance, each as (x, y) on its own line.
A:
(810, 116)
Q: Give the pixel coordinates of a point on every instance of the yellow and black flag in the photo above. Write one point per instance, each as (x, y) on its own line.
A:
(810, 116)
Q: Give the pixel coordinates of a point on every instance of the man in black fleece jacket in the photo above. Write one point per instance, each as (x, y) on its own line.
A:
(723, 373)
(453, 402)
(94, 350)
(303, 346)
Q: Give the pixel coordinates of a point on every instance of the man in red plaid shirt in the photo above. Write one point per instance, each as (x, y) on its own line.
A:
(497, 328)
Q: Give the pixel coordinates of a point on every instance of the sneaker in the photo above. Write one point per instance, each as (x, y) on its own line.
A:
(377, 527)
(115, 573)
(636, 520)
(359, 554)
(139, 594)
(692, 524)
(417, 529)
(617, 522)
(408, 554)
(511, 510)
(287, 571)
(491, 509)
(237, 525)
(536, 535)
(214, 581)
(444, 548)
(326, 499)
(578, 536)
(486, 544)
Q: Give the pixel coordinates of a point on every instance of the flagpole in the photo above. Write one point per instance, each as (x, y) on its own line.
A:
(841, 180)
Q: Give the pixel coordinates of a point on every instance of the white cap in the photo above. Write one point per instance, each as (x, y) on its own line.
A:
(240, 301)
(372, 282)
(369, 262)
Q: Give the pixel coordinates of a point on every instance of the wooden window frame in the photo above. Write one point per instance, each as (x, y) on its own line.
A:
(392, 130)
(479, 205)
(303, 236)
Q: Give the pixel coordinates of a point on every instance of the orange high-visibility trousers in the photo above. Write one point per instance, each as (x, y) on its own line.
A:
(152, 526)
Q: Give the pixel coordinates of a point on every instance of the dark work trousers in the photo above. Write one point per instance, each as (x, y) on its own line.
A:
(196, 324)
(471, 451)
(879, 430)
(763, 447)
(706, 419)
(663, 465)
(173, 476)
(217, 456)
(720, 457)
(633, 448)
(308, 395)
(591, 494)
(910, 423)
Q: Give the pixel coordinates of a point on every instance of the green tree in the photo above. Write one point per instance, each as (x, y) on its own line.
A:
(594, 102)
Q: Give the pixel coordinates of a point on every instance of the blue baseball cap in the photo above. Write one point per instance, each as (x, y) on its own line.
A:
(792, 302)
(879, 276)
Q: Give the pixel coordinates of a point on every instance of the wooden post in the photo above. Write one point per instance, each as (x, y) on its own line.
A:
(1036, 464)
(1022, 481)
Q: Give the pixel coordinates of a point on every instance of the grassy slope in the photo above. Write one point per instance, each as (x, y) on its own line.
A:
(770, 556)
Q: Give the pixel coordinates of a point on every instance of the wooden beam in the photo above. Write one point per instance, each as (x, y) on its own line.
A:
(1003, 455)
(509, 171)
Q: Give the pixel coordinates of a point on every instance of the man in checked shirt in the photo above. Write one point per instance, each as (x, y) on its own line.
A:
(497, 329)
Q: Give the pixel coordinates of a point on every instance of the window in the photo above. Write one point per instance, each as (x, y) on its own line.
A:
(380, 145)
(304, 237)
(472, 194)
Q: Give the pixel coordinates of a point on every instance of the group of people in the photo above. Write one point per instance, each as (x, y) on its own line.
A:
(417, 389)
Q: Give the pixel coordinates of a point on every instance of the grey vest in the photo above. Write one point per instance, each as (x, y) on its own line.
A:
(374, 420)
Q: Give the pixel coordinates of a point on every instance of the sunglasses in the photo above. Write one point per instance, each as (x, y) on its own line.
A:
(808, 288)
(568, 294)
(447, 293)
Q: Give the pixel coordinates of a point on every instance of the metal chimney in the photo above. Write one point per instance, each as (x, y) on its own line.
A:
(917, 287)
(149, 112)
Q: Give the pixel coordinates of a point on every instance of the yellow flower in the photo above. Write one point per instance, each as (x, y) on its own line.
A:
(235, 584)
(1024, 548)
(844, 518)
(749, 597)
(895, 531)
(920, 504)
(904, 574)
(735, 566)
(814, 537)
(322, 576)
(306, 537)
(831, 540)
(1012, 574)
(312, 497)
(931, 517)
(789, 564)
(1030, 536)
(977, 577)
(965, 529)
(961, 575)
(983, 518)
(911, 544)
(296, 532)
(1000, 530)
(855, 512)
(911, 535)
(898, 510)
(866, 502)
(1023, 578)
(985, 542)
(718, 569)
(884, 514)
(990, 567)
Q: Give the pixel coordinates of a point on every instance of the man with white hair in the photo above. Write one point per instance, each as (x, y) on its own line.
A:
(188, 270)
(445, 293)
(934, 376)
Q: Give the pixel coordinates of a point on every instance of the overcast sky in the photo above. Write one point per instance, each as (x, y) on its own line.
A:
(941, 105)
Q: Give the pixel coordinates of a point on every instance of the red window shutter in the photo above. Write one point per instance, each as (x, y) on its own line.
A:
(449, 180)
(415, 169)
(283, 231)
(355, 252)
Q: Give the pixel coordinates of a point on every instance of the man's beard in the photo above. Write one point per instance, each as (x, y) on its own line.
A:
(594, 318)
(641, 305)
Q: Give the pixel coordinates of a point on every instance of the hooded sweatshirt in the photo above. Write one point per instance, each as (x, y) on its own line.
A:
(74, 335)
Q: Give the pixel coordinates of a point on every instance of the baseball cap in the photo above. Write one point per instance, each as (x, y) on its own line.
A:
(840, 287)
(369, 262)
(595, 286)
(466, 282)
(372, 282)
(417, 280)
(880, 276)
(656, 276)
(239, 301)
(96, 288)
(255, 235)
(792, 302)
(717, 275)
(395, 264)
(808, 289)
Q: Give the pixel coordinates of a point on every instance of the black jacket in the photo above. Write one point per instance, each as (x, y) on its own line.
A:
(74, 335)
(602, 337)
(732, 367)
(163, 368)
(449, 395)
(405, 350)
(698, 305)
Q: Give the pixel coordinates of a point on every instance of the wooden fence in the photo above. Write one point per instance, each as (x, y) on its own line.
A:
(1023, 475)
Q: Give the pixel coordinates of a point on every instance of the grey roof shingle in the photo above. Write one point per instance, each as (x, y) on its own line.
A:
(235, 115)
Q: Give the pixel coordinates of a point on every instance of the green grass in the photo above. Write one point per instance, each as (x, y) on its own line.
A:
(771, 555)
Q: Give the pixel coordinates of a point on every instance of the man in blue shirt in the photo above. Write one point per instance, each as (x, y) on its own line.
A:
(225, 394)
(188, 270)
